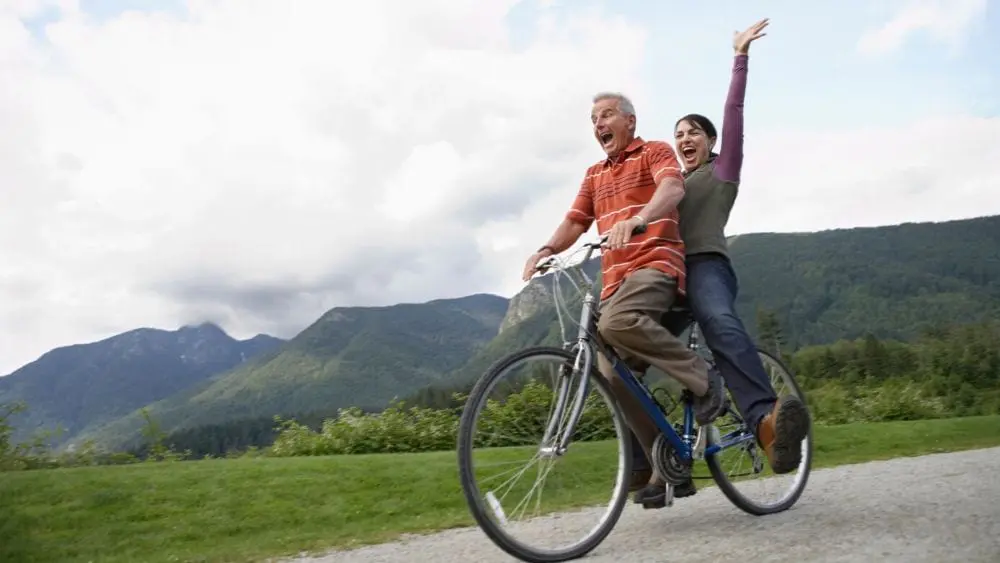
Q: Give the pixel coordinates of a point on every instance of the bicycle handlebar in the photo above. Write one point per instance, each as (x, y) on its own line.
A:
(604, 238)
(544, 265)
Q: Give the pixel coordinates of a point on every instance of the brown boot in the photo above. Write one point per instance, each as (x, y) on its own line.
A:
(780, 434)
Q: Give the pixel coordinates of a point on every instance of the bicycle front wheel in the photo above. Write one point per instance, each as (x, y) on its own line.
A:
(506, 466)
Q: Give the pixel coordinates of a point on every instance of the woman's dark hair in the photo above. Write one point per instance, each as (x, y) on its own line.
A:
(700, 121)
(703, 123)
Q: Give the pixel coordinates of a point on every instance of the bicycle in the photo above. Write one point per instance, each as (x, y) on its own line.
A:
(674, 452)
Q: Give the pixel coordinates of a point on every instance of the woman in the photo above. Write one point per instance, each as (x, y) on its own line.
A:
(711, 185)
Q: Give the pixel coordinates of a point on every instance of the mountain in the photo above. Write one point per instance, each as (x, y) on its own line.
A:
(891, 282)
(88, 384)
(351, 356)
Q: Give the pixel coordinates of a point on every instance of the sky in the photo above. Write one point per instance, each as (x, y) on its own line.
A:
(254, 163)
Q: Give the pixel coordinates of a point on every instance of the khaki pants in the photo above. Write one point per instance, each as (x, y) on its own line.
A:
(630, 323)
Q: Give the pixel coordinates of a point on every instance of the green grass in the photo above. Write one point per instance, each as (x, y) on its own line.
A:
(249, 509)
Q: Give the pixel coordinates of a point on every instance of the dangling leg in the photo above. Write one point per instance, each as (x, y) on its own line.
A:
(779, 426)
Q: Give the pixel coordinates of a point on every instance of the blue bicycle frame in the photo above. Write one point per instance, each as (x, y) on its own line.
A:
(685, 444)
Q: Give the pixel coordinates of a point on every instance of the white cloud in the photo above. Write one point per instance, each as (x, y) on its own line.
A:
(947, 21)
(932, 169)
(255, 164)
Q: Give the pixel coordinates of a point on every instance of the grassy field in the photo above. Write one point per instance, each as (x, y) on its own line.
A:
(249, 509)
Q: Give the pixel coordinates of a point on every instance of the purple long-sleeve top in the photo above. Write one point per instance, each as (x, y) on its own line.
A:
(730, 159)
(711, 189)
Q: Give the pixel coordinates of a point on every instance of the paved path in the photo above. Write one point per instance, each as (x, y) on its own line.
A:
(938, 508)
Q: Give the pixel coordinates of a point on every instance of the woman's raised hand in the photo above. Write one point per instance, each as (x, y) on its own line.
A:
(742, 39)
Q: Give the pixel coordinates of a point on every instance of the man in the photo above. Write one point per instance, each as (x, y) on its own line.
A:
(639, 183)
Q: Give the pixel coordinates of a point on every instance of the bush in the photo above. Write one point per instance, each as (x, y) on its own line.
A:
(416, 429)
(36, 454)
(394, 430)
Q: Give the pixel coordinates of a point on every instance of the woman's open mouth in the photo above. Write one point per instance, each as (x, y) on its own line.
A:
(689, 153)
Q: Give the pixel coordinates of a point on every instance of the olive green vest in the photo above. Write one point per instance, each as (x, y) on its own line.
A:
(704, 211)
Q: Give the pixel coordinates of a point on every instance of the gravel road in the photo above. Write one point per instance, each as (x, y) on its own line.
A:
(936, 508)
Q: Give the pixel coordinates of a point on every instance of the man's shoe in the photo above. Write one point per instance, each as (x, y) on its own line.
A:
(709, 406)
(780, 434)
(685, 489)
(654, 496)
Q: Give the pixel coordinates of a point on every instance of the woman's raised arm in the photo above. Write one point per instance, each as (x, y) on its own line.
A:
(730, 161)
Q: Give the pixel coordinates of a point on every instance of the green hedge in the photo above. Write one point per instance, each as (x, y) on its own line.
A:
(515, 420)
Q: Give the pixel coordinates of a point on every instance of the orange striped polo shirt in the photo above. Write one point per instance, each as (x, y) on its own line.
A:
(617, 189)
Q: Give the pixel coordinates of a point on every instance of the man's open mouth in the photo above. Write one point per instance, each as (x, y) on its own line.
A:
(606, 138)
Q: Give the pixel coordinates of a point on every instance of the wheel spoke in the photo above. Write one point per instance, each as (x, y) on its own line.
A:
(507, 487)
(750, 484)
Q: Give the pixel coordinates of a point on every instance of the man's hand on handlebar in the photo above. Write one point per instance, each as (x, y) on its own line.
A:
(539, 261)
(531, 266)
(622, 232)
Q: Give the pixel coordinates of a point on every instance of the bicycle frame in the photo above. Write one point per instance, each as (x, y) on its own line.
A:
(688, 445)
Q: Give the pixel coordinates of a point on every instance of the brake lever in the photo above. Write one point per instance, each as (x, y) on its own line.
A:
(544, 266)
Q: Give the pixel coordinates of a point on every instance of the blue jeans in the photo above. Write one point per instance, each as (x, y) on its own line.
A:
(712, 287)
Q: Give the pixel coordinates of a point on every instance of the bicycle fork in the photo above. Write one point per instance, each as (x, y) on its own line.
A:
(556, 440)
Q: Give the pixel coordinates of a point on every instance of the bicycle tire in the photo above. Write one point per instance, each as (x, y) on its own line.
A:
(729, 489)
(471, 490)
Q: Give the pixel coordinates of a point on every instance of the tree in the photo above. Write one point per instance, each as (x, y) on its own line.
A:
(769, 330)
(7, 411)
(154, 436)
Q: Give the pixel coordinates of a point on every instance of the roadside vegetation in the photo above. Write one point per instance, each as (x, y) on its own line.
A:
(255, 507)
(361, 477)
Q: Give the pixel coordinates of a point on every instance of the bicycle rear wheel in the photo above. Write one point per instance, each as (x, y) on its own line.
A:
(525, 400)
(761, 492)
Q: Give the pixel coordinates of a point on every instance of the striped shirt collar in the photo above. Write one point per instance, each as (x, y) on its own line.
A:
(632, 147)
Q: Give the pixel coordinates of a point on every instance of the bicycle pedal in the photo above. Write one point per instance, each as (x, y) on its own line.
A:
(666, 502)
(657, 506)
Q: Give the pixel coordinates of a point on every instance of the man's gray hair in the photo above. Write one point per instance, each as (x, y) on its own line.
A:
(624, 104)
